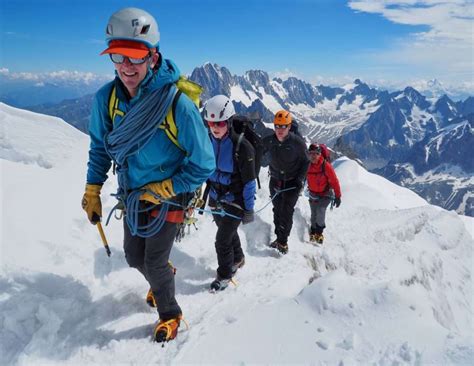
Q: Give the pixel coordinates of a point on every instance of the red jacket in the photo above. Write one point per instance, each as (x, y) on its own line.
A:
(321, 179)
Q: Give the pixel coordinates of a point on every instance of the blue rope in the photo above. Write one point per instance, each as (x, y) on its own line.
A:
(156, 225)
(132, 217)
(134, 131)
(222, 212)
(277, 192)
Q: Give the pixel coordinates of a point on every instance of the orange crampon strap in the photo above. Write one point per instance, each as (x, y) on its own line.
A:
(169, 329)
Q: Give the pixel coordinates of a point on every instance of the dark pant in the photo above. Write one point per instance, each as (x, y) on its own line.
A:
(150, 256)
(228, 247)
(283, 208)
(318, 214)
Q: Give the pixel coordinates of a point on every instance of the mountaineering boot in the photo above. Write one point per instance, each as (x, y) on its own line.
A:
(150, 299)
(167, 330)
(316, 238)
(219, 284)
(282, 248)
(319, 238)
(274, 244)
(239, 264)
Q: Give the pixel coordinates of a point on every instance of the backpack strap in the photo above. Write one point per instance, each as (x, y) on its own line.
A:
(237, 147)
(169, 124)
(113, 105)
(328, 186)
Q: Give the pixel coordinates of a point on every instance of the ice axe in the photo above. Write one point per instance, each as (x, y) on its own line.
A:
(104, 240)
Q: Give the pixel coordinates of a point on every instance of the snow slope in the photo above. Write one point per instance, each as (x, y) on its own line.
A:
(391, 285)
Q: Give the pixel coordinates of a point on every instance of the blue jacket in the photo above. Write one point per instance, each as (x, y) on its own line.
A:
(160, 158)
(233, 181)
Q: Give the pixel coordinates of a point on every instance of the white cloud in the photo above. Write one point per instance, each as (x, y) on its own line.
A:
(445, 49)
(331, 80)
(56, 76)
(285, 74)
(428, 87)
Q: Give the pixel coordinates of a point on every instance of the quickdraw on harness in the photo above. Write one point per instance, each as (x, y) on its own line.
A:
(189, 218)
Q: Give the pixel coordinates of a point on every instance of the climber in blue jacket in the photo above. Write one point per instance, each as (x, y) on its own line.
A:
(128, 127)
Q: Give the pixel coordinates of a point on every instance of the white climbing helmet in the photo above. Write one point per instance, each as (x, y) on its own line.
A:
(133, 24)
(218, 108)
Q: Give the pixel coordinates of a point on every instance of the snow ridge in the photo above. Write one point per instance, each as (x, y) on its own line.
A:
(391, 285)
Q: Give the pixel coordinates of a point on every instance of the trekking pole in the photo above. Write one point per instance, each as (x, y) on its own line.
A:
(104, 240)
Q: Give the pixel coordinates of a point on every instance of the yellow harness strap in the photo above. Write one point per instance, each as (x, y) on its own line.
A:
(113, 105)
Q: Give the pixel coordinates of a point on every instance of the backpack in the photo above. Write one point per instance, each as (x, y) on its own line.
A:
(188, 87)
(244, 127)
(294, 129)
(325, 152)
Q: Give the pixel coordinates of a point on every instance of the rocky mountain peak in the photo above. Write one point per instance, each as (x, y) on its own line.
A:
(257, 77)
(415, 97)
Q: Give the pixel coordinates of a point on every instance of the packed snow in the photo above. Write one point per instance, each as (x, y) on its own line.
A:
(392, 284)
(269, 100)
(239, 95)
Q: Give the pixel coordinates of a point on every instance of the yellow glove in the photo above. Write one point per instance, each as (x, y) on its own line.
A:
(164, 189)
(91, 203)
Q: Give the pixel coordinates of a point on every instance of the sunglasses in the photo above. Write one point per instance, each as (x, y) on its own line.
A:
(217, 124)
(315, 152)
(120, 59)
(281, 127)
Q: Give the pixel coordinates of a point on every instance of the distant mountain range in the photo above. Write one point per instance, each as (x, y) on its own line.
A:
(76, 111)
(415, 140)
(26, 89)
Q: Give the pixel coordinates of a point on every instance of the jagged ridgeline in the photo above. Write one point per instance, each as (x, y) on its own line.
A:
(421, 141)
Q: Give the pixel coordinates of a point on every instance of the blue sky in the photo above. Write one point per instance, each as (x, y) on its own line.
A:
(318, 40)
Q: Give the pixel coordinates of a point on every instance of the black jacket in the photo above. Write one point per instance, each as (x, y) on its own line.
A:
(289, 159)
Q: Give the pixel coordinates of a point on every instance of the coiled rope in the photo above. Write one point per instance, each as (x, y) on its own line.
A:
(133, 132)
